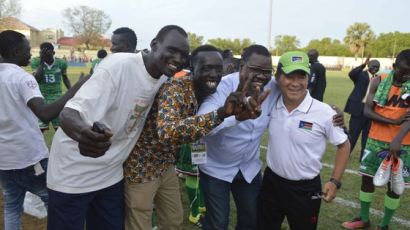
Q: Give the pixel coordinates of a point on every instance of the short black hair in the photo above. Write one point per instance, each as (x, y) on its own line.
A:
(102, 53)
(254, 49)
(227, 53)
(128, 34)
(10, 39)
(203, 48)
(403, 56)
(46, 45)
(166, 29)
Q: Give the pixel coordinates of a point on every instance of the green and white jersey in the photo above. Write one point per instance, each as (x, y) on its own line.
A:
(50, 85)
(95, 62)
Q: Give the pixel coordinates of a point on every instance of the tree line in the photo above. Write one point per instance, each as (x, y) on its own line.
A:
(88, 25)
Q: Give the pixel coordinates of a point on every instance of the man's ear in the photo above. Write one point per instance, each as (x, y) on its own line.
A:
(154, 44)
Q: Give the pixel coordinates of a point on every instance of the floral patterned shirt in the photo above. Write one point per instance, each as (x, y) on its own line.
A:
(171, 122)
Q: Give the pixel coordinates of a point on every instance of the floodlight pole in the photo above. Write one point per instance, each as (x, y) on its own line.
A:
(270, 25)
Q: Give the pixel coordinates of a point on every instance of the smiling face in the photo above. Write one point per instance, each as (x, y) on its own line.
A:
(259, 68)
(170, 54)
(293, 86)
(207, 72)
(373, 66)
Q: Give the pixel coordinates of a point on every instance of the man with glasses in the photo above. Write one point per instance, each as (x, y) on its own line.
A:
(355, 103)
(233, 163)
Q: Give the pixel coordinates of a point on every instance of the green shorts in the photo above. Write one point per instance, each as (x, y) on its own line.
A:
(184, 163)
(375, 152)
(55, 122)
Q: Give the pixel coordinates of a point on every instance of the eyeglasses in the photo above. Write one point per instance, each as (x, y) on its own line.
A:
(267, 72)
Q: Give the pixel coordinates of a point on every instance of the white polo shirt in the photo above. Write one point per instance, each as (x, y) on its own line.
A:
(297, 139)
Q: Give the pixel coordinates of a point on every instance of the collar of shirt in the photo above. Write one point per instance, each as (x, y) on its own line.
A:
(302, 107)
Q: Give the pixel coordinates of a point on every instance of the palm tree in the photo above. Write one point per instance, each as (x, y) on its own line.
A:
(358, 37)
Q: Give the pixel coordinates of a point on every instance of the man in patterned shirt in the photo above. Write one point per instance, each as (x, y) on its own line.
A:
(49, 71)
(150, 176)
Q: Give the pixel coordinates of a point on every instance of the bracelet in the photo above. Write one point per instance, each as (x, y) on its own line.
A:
(336, 182)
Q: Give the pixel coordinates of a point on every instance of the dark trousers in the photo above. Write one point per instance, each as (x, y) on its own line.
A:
(217, 199)
(298, 201)
(100, 210)
(357, 125)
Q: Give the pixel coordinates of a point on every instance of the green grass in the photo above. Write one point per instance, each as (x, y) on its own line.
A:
(332, 214)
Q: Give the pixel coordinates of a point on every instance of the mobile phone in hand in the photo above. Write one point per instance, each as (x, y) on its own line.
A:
(98, 127)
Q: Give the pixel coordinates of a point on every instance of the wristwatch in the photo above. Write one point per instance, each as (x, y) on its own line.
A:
(336, 182)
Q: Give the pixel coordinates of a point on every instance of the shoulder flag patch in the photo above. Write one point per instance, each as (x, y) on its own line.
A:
(306, 125)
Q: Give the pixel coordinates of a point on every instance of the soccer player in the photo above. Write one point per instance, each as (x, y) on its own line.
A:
(85, 177)
(299, 127)
(49, 71)
(101, 54)
(123, 40)
(387, 109)
(23, 149)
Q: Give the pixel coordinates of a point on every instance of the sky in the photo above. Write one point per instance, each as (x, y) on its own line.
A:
(305, 19)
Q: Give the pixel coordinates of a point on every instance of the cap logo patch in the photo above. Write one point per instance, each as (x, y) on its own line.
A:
(297, 59)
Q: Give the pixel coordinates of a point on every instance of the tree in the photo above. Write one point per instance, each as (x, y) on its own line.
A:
(328, 47)
(194, 41)
(358, 36)
(284, 43)
(87, 24)
(10, 8)
(389, 44)
(236, 45)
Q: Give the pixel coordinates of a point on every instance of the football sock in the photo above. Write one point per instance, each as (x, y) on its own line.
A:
(390, 205)
(366, 199)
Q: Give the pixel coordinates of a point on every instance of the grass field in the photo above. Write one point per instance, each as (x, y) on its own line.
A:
(332, 214)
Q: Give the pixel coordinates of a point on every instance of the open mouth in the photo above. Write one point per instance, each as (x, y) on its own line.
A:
(211, 84)
(173, 67)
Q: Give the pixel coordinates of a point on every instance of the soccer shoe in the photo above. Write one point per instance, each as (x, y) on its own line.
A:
(356, 223)
(383, 173)
(195, 220)
(397, 180)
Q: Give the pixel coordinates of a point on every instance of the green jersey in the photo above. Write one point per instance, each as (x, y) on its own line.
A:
(50, 84)
(95, 62)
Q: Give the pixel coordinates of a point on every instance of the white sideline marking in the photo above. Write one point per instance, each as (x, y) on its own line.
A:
(375, 212)
(352, 204)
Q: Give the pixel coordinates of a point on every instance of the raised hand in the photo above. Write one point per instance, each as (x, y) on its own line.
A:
(236, 102)
(253, 108)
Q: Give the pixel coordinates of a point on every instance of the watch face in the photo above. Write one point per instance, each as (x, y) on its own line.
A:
(336, 182)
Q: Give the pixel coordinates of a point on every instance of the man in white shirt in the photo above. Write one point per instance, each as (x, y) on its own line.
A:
(298, 129)
(85, 177)
(233, 163)
(23, 150)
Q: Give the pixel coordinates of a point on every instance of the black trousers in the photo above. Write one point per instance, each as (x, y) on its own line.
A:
(298, 201)
(357, 125)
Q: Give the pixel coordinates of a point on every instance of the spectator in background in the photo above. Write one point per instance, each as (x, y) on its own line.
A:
(231, 64)
(358, 123)
(123, 40)
(317, 79)
(101, 54)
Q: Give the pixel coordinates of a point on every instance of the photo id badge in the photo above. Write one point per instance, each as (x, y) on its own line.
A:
(198, 158)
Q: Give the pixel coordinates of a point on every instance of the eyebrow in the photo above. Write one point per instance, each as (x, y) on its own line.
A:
(258, 67)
